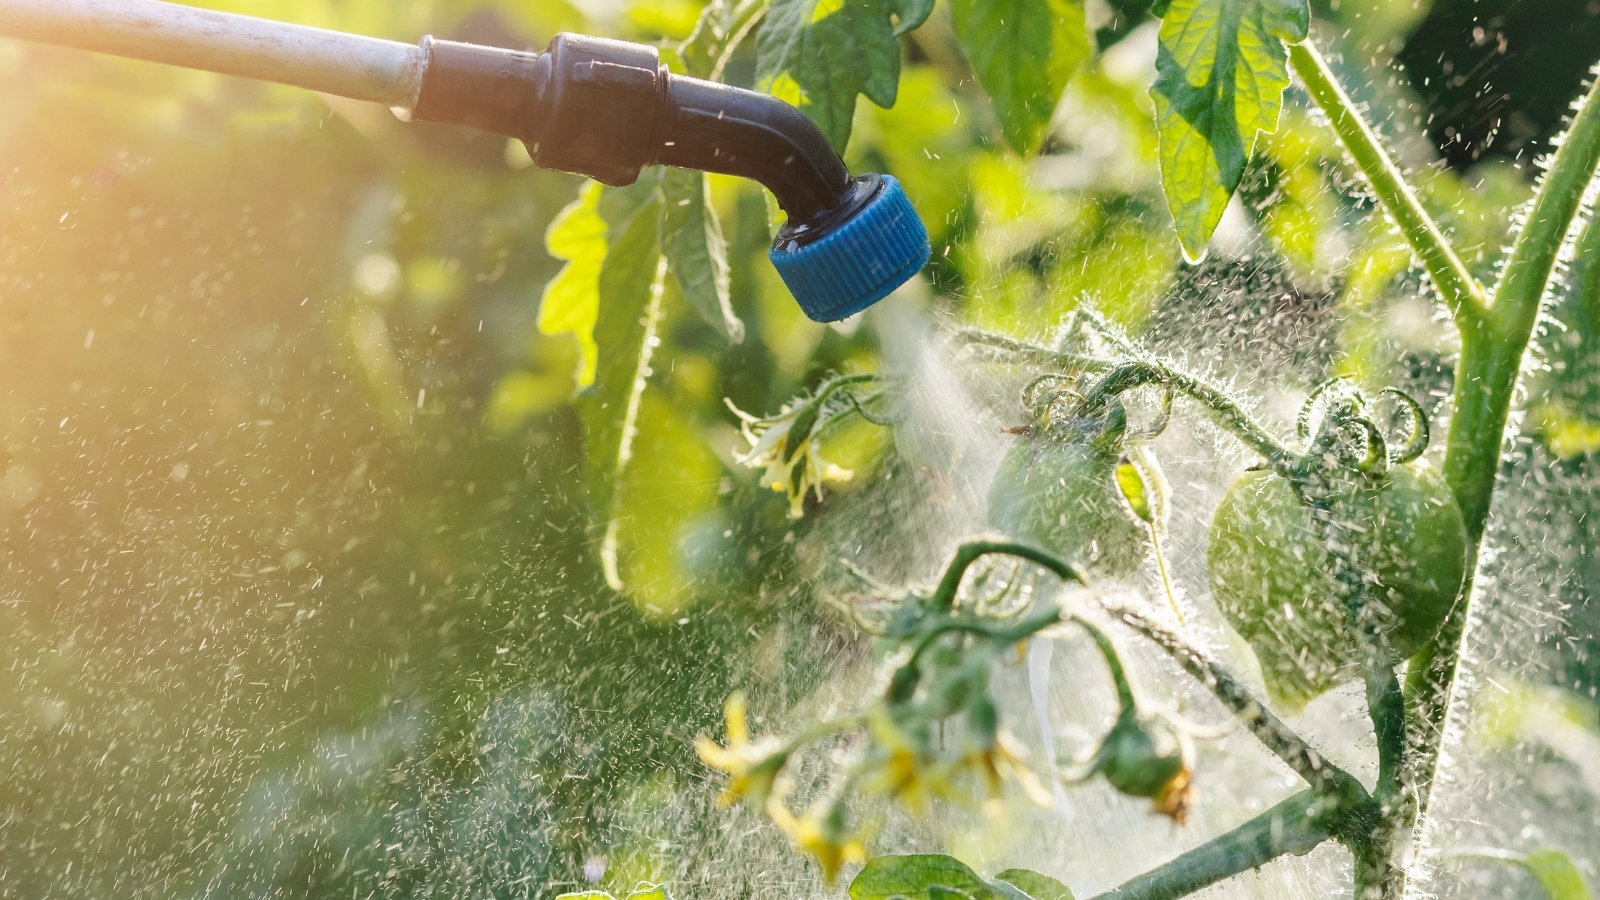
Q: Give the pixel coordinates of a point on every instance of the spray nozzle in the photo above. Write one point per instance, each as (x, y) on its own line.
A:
(853, 255)
(587, 105)
(606, 109)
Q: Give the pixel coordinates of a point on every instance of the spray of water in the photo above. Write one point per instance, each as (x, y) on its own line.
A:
(1059, 700)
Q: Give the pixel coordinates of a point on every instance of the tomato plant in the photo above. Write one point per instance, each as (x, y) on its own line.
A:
(386, 489)
(1343, 557)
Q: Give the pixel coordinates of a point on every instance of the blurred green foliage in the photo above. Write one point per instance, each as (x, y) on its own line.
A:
(304, 525)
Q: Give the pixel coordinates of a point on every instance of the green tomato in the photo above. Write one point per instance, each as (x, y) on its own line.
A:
(1057, 490)
(1271, 575)
(1147, 756)
(1142, 756)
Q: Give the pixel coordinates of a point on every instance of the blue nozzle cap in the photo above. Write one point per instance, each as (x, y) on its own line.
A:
(837, 268)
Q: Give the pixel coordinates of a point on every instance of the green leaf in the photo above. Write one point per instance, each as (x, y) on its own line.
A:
(586, 895)
(1025, 52)
(699, 52)
(571, 300)
(822, 53)
(628, 292)
(910, 14)
(940, 892)
(1557, 874)
(647, 891)
(582, 234)
(666, 503)
(697, 254)
(609, 297)
(916, 876)
(1035, 885)
(723, 25)
(1220, 75)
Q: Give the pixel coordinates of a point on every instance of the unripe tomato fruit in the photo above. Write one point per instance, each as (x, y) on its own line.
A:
(1272, 578)
(1143, 757)
(1057, 490)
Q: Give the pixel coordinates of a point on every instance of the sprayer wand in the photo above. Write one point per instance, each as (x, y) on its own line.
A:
(591, 106)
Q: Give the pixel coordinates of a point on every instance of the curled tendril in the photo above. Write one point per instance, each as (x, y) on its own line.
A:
(1345, 434)
(1418, 434)
(1377, 459)
(1308, 410)
(1334, 419)
(1045, 390)
(1324, 443)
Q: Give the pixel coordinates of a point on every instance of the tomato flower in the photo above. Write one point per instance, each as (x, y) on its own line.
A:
(999, 762)
(752, 767)
(902, 770)
(784, 446)
(821, 832)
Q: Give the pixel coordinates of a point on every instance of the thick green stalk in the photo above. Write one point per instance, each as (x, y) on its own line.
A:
(1491, 357)
(1522, 287)
(1579, 380)
(1486, 378)
(1586, 279)
(1297, 825)
(1461, 292)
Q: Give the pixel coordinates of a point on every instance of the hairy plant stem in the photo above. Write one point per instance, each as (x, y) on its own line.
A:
(1585, 277)
(1295, 826)
(1017, 350)
(944, 593)
(1120, 377)
(1492, 355)
(1163, 572)
(1324, 778)
(1486, 378)
(1229, 414)
(1108, 652)
(1462, 294)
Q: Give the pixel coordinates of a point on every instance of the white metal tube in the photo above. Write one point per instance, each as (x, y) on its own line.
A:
(332, 62)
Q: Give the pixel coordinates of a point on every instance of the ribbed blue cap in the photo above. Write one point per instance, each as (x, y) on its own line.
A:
(860, 262)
